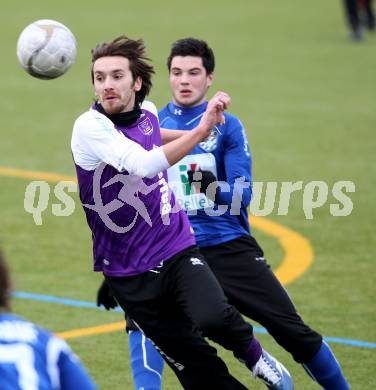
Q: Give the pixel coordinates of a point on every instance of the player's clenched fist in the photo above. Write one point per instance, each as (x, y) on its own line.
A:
(214, 112)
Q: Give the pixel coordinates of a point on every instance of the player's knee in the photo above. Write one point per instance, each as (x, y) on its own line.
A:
(301, 341)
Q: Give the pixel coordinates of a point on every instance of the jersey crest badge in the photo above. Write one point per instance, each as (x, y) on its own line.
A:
(211, 142)
(146, 127)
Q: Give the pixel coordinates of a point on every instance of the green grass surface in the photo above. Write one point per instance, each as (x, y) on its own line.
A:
(307, 97)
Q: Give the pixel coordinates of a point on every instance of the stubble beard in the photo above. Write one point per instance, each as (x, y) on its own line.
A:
(119, 106)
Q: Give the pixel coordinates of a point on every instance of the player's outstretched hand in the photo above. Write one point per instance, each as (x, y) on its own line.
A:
(214, 113)
(105, 297)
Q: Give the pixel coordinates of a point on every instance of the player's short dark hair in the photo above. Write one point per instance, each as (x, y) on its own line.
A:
(135, 52)
(195, 48)
(5, 285)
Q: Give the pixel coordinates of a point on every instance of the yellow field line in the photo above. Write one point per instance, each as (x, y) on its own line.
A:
(34, 175)
(298, 250)
(70, 334)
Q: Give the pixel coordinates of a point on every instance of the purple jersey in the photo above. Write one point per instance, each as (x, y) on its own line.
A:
(134, 220)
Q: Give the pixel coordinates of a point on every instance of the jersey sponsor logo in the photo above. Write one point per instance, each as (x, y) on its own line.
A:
(196, 261)
(188, 189)
(165, 195)
(189, 196)
(193, 198)
(146, 127)
(211, 142)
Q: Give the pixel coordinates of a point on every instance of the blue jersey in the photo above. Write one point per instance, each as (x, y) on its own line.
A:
(33, 359)
(226, 153)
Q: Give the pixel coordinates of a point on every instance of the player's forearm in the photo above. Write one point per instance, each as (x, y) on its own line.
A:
(177, 149)
(141, 162)
(171, 135)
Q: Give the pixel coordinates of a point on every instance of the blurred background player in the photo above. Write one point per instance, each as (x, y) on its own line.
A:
(367, 14)
(31, 357)
(142, 243)
(231, 251)
(359, 15)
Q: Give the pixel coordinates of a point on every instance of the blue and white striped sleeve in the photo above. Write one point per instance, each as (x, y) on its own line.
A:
(65, 369)
(237, 165)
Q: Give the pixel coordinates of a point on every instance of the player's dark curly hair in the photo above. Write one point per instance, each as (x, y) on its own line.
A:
(5, 285)
(195, 48)
(134, 51)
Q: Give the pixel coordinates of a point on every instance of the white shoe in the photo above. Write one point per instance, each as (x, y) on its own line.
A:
(272, 373)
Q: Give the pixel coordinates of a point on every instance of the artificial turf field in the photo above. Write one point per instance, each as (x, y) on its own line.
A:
(307, 97)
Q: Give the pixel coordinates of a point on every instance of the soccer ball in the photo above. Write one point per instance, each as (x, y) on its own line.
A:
(46, 49)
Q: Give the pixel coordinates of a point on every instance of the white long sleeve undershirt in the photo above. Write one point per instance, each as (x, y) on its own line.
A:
(95, 140)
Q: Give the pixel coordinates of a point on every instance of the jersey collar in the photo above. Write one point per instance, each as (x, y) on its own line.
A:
(179, 111)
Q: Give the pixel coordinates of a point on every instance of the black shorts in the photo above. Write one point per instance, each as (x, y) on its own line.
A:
(176, 305)
(250, 285)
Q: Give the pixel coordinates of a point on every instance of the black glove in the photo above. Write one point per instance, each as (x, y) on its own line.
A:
(105, 297)
(205, 178)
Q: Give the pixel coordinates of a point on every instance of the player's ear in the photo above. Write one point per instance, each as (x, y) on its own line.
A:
(210, 78)
(137, 84)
